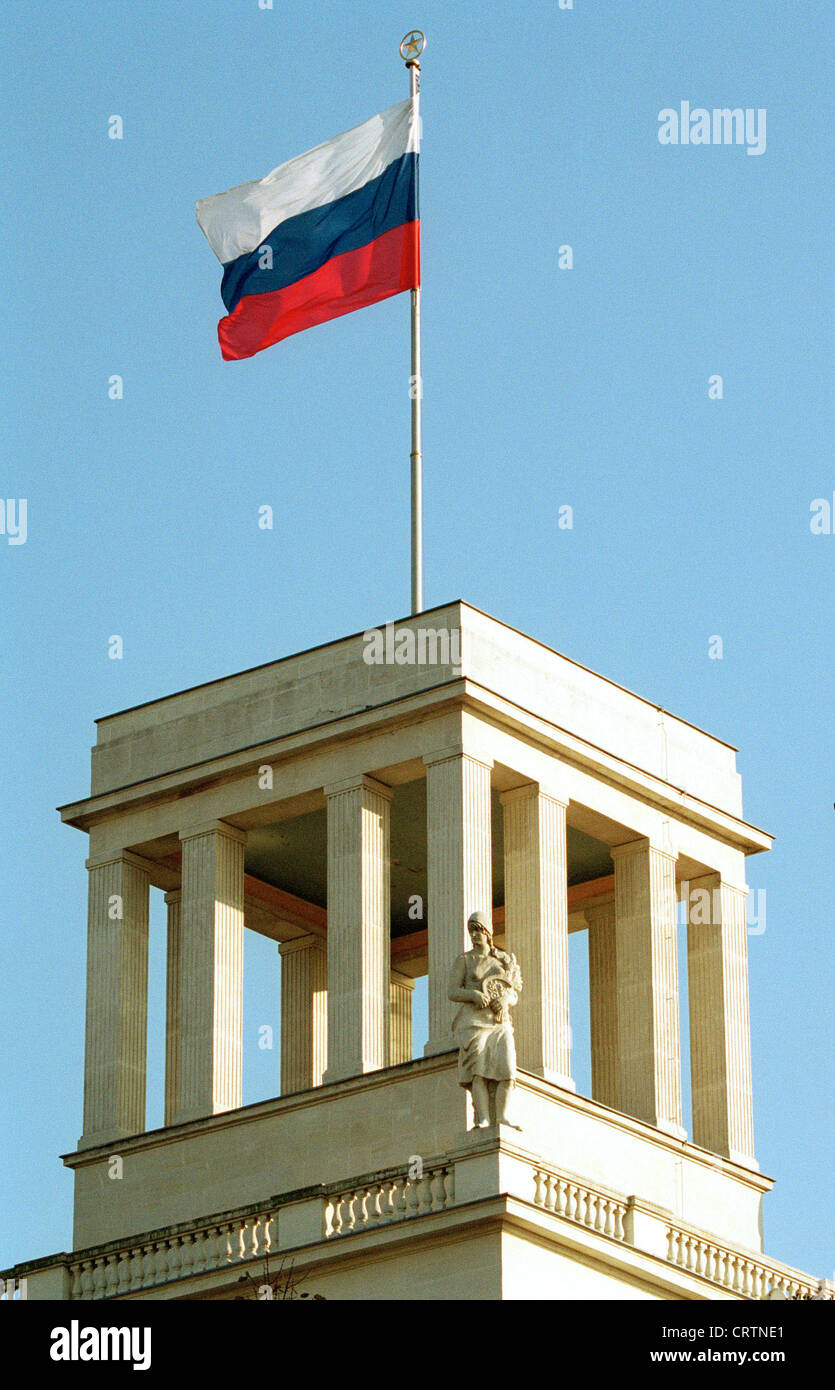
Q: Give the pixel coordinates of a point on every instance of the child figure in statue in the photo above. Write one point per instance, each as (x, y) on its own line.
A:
(485, 982)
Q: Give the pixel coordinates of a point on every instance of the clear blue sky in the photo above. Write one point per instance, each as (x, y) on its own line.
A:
(543, 388)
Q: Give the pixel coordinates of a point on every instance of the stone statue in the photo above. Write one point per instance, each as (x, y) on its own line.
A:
(485, 982)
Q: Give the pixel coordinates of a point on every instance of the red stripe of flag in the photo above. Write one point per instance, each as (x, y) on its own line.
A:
(384, 267)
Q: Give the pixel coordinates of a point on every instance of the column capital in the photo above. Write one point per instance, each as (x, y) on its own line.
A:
(175, 896)
(352, 784)
(528, 790)
(404, 981)
(456, 750)
(641, 846)
(119, 856)
(713, 880)
(213, 827)
(311, 941)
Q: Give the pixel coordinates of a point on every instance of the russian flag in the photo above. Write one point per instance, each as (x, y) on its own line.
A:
(326, 233)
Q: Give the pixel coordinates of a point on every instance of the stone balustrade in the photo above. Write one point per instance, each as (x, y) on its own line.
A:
(732, 1269)
(164, 1259)
(565, 1197)
(392, 1199)
(319, 1215)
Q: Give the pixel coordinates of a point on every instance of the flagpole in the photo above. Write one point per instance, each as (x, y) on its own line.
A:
(410, 50)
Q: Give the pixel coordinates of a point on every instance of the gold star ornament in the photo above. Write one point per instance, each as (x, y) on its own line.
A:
(413, 45)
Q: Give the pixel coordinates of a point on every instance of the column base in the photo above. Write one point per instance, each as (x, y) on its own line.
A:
(556, 1078)
(744, 1160)
(330, 1077)
(670, 1127)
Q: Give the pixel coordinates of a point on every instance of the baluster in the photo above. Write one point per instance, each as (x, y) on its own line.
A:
(258, 1235)
(97, 1272)
(392, 1200)
(384, 1202)
(620, 1221)
(540, 1182)
(199, 1252)
(86, 1279)
(271, 1232)
(412, 1199)
(75, 1292)
(424, 1194)
(160, 1262)
(147, 1264)
(235, 1242)
(401, 1199)
(719, 1259)
(372, 1212)
(123, 1272)
(609, 1223)
(343, 1213)
(332, 1215)
(593, 1210)
(173, 1259)
(211, 1251)
(133, 1269)
(336, 1214)
(186, 1253)
(436, 1189)
(449, 1186)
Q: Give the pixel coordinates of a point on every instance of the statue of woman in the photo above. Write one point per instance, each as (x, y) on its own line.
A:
(485, 982)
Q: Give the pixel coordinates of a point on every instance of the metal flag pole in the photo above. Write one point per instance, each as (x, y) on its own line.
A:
(410, 51)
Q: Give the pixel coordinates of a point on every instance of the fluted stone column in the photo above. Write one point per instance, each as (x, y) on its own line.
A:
(359, 929)
(603, 1003)
(720, 1038)
(117, 998)
(400, 1035)
(536, 924)
(211, 971)
(459, 872)
(648, 1026)
(304, 1013)
(173, 985)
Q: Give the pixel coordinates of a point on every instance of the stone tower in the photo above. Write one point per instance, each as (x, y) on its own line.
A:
(355, 803)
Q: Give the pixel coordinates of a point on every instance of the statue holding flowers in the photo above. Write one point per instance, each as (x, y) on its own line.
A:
(486, 983)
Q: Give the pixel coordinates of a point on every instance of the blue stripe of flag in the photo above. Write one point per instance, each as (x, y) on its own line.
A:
(301, 245)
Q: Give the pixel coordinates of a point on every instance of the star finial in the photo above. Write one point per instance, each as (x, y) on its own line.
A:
(413, 45)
